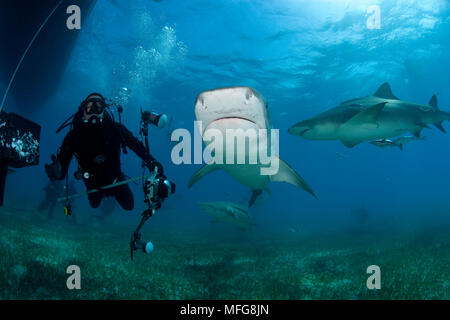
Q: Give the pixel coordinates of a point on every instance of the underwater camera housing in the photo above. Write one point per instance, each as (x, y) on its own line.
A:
(19, 145)
(156, 190)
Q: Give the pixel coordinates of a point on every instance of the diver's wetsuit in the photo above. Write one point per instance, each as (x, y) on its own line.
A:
(97, 149)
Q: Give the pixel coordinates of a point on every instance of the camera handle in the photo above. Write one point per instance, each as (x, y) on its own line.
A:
(136, 242)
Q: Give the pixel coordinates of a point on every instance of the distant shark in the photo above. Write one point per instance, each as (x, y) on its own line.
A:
(398, 142)
(375, 117)
(227, 212)
(241, 108)
(384, 143)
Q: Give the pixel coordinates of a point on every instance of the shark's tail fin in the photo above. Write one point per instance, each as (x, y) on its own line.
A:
(434, 105)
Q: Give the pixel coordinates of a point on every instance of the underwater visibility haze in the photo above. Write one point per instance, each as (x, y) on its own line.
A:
(367, 183)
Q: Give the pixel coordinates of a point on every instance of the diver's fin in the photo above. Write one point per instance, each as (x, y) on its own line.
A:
(439, 126)
(350, 143)
(206, 169)
(368, 115)
(385, 92)
(287, 174)
(433, 102)
(255, 195)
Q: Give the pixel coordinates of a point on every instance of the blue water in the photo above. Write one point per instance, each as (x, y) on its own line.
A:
(304, 57)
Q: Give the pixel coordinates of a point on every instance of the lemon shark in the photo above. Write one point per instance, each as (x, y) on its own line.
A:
(241, 110)
(379, 116)
(227, 212)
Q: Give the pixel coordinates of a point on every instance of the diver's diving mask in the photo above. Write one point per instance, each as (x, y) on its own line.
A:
(94, 109)
(94, 106)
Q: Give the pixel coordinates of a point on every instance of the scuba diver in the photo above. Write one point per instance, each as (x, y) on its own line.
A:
(96, 140)
(53, 190)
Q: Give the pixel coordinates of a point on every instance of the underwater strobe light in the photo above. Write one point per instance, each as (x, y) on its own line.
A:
(138, 244)
(157, 119)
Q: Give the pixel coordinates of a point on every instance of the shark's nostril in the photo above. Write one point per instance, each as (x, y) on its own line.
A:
(248, 94)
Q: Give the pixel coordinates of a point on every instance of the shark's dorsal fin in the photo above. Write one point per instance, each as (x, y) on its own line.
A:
(287, 174)
(369, 115)
(433, 102)
(385, 92)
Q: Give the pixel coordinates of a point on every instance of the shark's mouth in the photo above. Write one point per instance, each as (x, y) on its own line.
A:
(298, 133)
(304, 131)
(231, 118)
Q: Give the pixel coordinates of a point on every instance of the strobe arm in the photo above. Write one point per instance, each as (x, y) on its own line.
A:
(136, 242)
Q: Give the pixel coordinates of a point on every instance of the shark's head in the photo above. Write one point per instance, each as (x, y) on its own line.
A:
(227, 107)
(206, 206)
(315, 129)
(235, 113)
(225, 210)
(300, 129)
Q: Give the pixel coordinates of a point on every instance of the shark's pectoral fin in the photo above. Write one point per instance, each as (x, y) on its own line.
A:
(400, 146)
(369, 115)
(287, 174)
(350, 143)
(255, 195)
(416, 131)
(439, 126)
(201, 173)
(423, 125)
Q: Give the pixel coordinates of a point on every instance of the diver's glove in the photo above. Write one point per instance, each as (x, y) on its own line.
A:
(152, 164)
(53, 170)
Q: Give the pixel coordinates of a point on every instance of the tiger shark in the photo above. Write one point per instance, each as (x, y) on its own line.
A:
(241, 109)
(379, 116)
(227, 212)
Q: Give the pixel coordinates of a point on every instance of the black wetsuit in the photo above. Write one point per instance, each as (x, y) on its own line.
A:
(97, 149)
